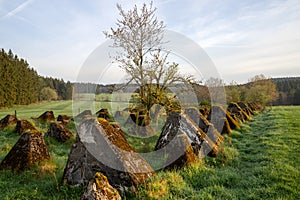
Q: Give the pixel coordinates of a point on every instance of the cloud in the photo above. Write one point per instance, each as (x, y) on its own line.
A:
(243, 38)
(18, 9)
(255, 38)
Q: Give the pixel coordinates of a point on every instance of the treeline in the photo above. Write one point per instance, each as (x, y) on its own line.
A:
(259, 89)
(270, 91)
(63, 89)
(274, 91)
(104, 89)
(20, 84)
(288, 91)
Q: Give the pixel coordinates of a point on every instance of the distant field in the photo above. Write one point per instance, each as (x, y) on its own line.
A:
(113, 102)
(259, 161)
(34, 110)
(61, 107)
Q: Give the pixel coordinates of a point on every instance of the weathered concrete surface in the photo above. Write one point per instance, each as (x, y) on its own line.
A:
(204, 124)
(217, 117)
(246, 108)
(238, 112)
(63, 118)
(178, 124)
(24, 126)
(103, 113)
(8, 120)
(59, 131)
(83, 115)
(182, 147)
(47, 116)
(100, 189)
(139, 124)
(102, 148)
(29, 149)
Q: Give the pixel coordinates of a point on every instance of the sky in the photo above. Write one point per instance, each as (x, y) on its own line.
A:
(242, 38)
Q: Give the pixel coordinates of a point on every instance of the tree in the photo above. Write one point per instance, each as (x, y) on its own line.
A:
(233, 92)
(261, 89)
(297, 97)
(18, 82)
(140, 36)
(48, 94)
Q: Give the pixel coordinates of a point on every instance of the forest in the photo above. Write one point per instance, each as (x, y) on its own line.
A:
(288, 91)
(20, 84)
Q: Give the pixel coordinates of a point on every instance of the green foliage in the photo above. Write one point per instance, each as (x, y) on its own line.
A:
(233, 93)
(63, 89)
(205, 103)
(297, 97)
(21, 85)
(18, 82)
(48, 94)
(259, 89)
(289, 91)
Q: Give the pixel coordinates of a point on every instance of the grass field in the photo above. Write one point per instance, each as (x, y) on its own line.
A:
(259, 161)
(35, 110)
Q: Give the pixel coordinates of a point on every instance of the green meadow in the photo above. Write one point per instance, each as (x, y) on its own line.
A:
(258, 161)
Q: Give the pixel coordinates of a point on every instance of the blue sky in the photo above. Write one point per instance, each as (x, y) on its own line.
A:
(243, 38)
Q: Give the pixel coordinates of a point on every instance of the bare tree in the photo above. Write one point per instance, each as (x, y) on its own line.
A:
(140, 35)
